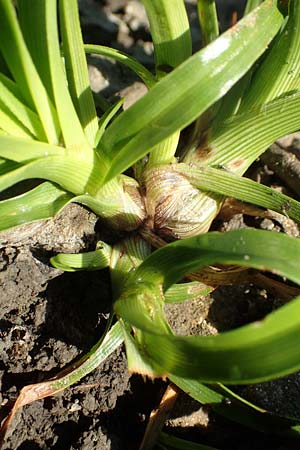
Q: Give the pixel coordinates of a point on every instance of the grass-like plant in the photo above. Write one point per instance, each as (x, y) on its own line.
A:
(239, 93)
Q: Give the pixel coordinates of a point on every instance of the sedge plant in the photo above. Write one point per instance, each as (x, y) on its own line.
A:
(238, 94)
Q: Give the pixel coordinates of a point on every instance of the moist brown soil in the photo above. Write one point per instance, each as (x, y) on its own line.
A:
(49, 318)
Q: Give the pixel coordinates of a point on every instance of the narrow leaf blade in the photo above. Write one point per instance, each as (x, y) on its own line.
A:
(255, 352)
(42, 202)
(189, 90)
(170, 31)
(21, 150)
(96, 260)
(76, 68)
(145, 75)
(231, 185)
(24, 71)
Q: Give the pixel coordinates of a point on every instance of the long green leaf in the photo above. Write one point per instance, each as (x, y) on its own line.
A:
(11, 125)
(203, 250)
(172, 42)
(252, 417)
(189, 90)
(231, 185)
(106, 118)
(46, 53)
(259, 351)
(126, 256)
(186, 291)
(12, 87)
(123, 58)
(208, 19)
(42, 202)
(104, 347)
(21, 150)
(21, 66)
(23, 114)
(251, 4)
(279, 72)
(96, 260)
(32, 22)
(232, 100)
(78, 177)
(46, 26)
(72, 131)
(76, 68)
(236, 143)
(170, 31)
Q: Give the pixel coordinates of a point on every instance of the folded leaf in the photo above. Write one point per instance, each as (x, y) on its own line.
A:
(259, 351)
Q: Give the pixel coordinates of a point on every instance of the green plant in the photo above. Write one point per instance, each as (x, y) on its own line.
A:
(49, 130)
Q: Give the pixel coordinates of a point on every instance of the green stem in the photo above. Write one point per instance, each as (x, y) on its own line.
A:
(170, 33)
(122, 58)
(208, 19)
(251, 4)
(164, 152)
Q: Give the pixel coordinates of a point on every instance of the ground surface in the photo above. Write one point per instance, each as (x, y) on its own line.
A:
(48, 319)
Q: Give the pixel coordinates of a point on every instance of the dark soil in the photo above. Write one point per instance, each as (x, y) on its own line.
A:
(48, 319)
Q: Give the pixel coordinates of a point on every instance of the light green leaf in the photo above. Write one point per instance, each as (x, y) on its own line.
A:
(236, 143)
(279, 71)
(76, 68)
(25, 116)
(189, 90)
(109, 342)
(249, 415)
(95, 260)
(42, 202)
(72, 131)
(12, 87)
(231, 185)
(232, 100)
(208, 19)
(186, 291)
(21, 150)
(125, 59)
(53, 70)
(78, 177)
(164, 152)
(255, 352)
(21, 66)
(170, 32)
(11, 125)
(32, 22)
(106, 118)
